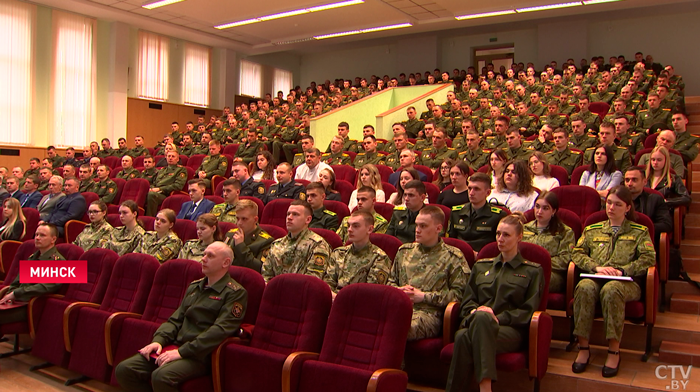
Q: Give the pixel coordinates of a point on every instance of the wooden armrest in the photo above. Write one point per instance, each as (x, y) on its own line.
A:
(570, 285)
(289, 363)
(678, 214)
(373, 383)
(108, 331)
(651, 298)
(179, 193)
(30, 312)
(448, 324)
(66, 320)
(664, 243)
(216, 361)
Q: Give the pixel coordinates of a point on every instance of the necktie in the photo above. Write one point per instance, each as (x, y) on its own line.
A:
(188, 215)
(26, 197)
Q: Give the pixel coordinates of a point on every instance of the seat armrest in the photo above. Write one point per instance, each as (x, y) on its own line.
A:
(450, 323)
(664, 254)
(570, 285)
(215, 180)
(216, 360)
(540, 338)
(652, 295)
(113, 322)
(66, 320)
(36, 305)
(678, 214)
(3, 291)
(292, 365)
(382, 374)
(178, 193)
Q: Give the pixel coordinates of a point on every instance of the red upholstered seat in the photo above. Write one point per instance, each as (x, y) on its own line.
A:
(388, 189)
(345, 189)
(195, 161)
(330, 236)
(339, 208)
(257, 201)
(536, 356)
(113, 173)
(363, 345)
(425, 170)
(231, 149)
(33, 219)
(433, 192)
(147, 222)
(464, 247)
(345, 173)
(185, 229)
(23, 252)
(273, 230)
(8, 249)
(581, 200)
(113, 219)
(121, 183)
(89, 198)
(389, 244)
(112, 162)
(384, 209)
(560, 174)
(352, 155)
(129, 289)
(135, 189)
(275, 213)
(73, 229)
(292, 317)
(48, 327)
(175, 202)
(214, 199)
(599, 108)
(128, 333)
(577, 173)
(385, 172)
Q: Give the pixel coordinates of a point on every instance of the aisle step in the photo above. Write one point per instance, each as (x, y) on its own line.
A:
(679, 353)
(685, 303)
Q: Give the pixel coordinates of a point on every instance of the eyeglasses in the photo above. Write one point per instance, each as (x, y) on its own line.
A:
(94, 211)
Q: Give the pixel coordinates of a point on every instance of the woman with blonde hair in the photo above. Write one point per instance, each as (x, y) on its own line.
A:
(660, 178)
(207, 232)
(14, 223)
(369, 176)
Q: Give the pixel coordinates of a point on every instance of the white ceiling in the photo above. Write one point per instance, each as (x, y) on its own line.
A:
(194, 20)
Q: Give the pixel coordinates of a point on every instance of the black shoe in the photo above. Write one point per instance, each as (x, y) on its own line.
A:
(577, 367)
(612, 372)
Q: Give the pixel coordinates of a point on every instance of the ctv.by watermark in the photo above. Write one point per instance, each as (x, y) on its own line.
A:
(677, 375)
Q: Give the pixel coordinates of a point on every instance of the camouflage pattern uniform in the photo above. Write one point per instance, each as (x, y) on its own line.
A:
(631, 250)
(324, 219)
(559, 247)
(105, 189)
(225, 212)
(348, 265)
(440, 272)
(380, 226)
(212, 165)
(192, 250)
(123, 241)
(306, 254)
(475, 227)
(253, 251)
(163, 249)
(128, 174)
(168, 179)
(94, 236)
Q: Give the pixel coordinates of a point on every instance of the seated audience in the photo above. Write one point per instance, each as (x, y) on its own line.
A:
(497, 165)
(263, 168)
(602, 174)
(310, 169)
(31, 196)
(250, 243)
(648, 203)
(207, 232)
(198, 205)
(666, 139)
(124, 239)
(442, 175)
(369, 176)
(14, 224)
(167, 179)
(49, 201)
(285, 188)
(407, 159)
(161, 243)
(366, 198)
(660, 178)
(97, 233)
(12, 186)
(321, 217)
(541, 175)
(226, 211)
(68, 208)
(403, 221)
(514, 189)
(458, 194)
(407, 175)
(249, 187)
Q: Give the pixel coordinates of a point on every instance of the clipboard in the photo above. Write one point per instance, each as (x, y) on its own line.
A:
(608, 277)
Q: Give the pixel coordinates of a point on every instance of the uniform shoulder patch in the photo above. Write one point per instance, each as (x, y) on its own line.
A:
(590, 149)
(595, 226)
(329, 212)
(486, 260)
(457, 208)
(638, 227)
(574, 152)
(496, 210)
(399, 208)
(198, 280)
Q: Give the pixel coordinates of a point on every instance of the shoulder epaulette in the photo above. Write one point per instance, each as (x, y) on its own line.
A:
(298, 184)
(457, 208)
(590, 148)
(345, 155)
(574, 152)
(496, 210)
(329, 212)
(264, 234)
(666, 109)
(360, 153)
(399, 208)
(530, 264)
(598, 225)
(638, 226)
(549, 152)
(198, 280)
(380, 218)
(234, 286)
(325, 154)
(642, 111)
(486, 260)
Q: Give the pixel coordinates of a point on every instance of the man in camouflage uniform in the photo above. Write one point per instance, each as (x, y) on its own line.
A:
(433, 157)
(248, 151)
(562, 155)
(214, 164)
(226, 211)
(45, 243)
(475, 222)
(686, 144)
(128, 172)
(211, 310)
(359, 262)
(168, 179)
(149, 169)
(301, 251)
(321, 217)
(250, 243)
(430, 272)
(366, 198)
(370, 154)
(403, 220)
(105, 187)
(285, 188)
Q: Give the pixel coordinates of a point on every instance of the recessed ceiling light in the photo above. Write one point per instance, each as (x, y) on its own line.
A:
(549, 7)
(590, 2)
(159, 3)
(287, 14)
(485, 14)
(369, 30)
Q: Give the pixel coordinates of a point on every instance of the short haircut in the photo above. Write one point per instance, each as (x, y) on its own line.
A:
(315, 151)
(435, 213)
(513, 130)
(305, 204)
(366, 216)
(197, 182)
(232, 182)
(374, 139)
(481, 177)
(57, 178)
(53, 230)
(33, 178)
(344, 124)
(640, 169)
(417, 185)
(317, 186)
(308, 137)
(368, 189)
(245, 204)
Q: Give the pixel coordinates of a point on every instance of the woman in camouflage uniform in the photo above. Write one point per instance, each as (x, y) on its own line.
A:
(161, 243)
(97, 233)
(615, 247)
(549, 232)
(207, 232)
(124, 239)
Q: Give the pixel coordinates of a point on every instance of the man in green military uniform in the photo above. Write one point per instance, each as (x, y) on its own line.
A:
(335, 157)
(370, 154)
(107, 150)
(516, 149)
(523, 121)
(618, 110)
(474, 155)
(45, 244)
(633, 143)
(427, 140)
(250, 243)
(45, 175)
(214, 164)
(581, 139)
(543, 143)
(413, 125)
(307, 143)
(606, 136)
(55, 159)
(366, 198)
(168, 179)
(139, 149)
(430, 272)
(498, 139)
(348, 144)
(128, 172)
(562, 155)
(270, 132)
(321, 217)
(187, 145)
(285, 188)
(105, 187)
(591, 119)
(149, 169)
(123, 149)
(499, 300)
(403, 221)
(654, 115)
(211, 310)
(301, 251)
(398, 144)
(34, 166)
(85, 175)
(553, 118)
(226, 211)
(603, 94)
(359, 262)
(433, 157)
(248, 151)
(686, 144)
(203, 148)
(428, 114)
(475, 222)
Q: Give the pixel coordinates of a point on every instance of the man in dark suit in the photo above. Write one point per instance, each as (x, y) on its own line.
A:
(650, 204)
(191, 210)
(12, 186)
(49, 201)
(31, 197)
(73, 206)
